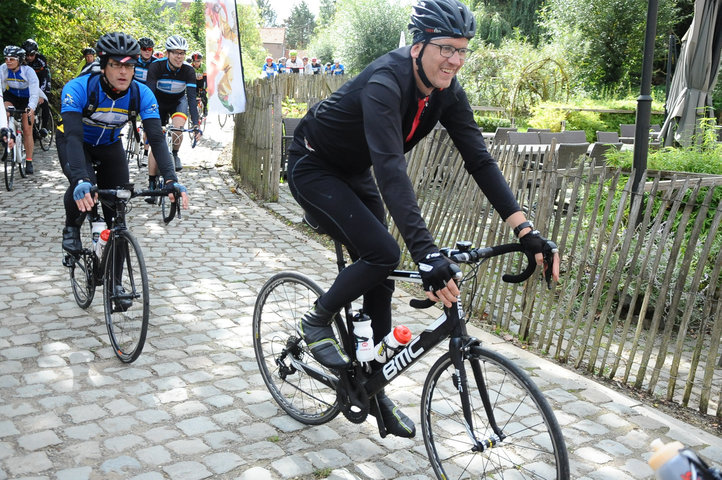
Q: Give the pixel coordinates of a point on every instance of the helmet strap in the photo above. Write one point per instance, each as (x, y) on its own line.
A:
(422, 74)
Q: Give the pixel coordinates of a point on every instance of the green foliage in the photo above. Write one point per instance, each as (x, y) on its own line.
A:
(498, 20)
(363, 30)
(517, 75)
(300, 26)
(196, 20)
(323, 47)
(489, 124)
(15, 22)
(605, 39)
(268, 14)
(290, 108)
(326, 12)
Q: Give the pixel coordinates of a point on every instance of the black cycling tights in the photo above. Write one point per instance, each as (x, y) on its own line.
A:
(349, 208)
(109, 170)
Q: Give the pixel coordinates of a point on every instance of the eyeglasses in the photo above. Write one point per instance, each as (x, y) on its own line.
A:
(121, 66)
(10, 59)
(177, 52)
(447, 51)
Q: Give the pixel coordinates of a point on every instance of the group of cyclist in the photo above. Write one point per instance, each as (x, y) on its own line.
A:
(302, 66)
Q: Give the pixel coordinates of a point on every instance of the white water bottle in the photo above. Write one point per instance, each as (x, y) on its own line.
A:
(364, 337)
(669, 463)
(100, 244)
(387, 348)
(97, 227)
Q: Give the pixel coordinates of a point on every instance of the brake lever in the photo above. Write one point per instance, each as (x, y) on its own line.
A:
(550, 248)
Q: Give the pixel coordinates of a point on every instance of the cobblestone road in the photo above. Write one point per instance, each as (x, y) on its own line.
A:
(194, 406)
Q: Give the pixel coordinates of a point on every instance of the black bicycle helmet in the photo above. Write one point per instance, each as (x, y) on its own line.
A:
(146, 42)
(119, 46)
(441, 18)
(30, 46)
(14, 51)
(88, 51)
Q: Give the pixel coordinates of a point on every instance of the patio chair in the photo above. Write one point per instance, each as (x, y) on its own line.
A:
(607, 137)
(626, 132)
(501, 136)
(523, 138)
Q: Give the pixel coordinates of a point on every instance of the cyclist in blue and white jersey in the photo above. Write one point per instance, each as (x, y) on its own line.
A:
(173, 81)
(21, 89)
(145, 59)
(96, 133)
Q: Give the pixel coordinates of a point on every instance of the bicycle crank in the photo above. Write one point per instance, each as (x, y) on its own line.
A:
(352, 397)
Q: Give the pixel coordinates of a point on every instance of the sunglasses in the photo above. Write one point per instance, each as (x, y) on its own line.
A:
(147, 49)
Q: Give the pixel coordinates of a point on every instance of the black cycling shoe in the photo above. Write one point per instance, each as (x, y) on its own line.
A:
(315, 329)
(395, 421)
(71, 240)
(178, 164)
(29, 168)
(121, 304)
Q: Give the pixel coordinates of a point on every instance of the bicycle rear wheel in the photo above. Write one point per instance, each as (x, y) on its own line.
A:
(125, 296)
(10, 170)
(292, 375)
(532, 446)
(20, 157)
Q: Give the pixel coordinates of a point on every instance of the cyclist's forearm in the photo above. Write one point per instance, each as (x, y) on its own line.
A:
(73, 133)
(192, 105)
(156, 140)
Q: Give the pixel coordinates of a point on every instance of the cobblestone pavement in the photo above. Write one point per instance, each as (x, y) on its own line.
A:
(194, 406)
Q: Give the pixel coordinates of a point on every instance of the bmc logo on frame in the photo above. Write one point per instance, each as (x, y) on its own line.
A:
(402, 359)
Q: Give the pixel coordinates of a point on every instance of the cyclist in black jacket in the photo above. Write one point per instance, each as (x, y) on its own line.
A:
(371, 121)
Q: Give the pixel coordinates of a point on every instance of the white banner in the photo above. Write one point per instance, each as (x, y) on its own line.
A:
(226, 90)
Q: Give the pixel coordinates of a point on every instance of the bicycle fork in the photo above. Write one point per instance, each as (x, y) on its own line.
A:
(458, 351)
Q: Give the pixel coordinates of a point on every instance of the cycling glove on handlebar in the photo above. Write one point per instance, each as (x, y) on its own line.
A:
(81, 190)
(175, 186)
(436, 270)
(534, 243)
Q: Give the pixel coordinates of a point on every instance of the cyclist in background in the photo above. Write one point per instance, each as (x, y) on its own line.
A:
(201, 79)
(96, 134)
(269, 69)
(39, 64)
(174, 84)
(372, 120)
(316, 67)
(22, 91)
(90, 64)
(337, 68)
(294, 64)
(145, 59)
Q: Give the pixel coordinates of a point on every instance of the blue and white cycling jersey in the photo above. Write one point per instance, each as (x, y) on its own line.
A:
(141, 69)
(103, 126)
(22, 84)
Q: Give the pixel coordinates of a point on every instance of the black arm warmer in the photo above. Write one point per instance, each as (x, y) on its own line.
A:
(74, 152)
(192, 105)
(156, 140)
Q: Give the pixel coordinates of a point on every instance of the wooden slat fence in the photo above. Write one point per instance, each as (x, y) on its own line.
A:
(639, 298)
(257, 135)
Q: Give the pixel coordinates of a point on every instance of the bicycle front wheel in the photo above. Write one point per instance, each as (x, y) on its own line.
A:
(10, 170)
(20, 157)
(294, 378)
(47, 140)
(125, 296)
(529, 443)
(82, 277)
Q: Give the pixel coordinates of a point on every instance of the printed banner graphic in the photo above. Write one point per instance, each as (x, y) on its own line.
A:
(226, 92)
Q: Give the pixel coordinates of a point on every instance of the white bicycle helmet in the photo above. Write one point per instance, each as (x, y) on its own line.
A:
(176, 42)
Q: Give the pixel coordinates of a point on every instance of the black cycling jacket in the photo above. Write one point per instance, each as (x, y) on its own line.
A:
(366, 123)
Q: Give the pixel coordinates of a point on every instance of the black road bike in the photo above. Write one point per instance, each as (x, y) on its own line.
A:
(120, 271)
(482, 416)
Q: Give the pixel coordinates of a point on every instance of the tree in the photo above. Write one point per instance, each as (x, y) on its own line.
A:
(196, 21)
(16, 23)
(268, 14)
(327, 10)
(363, 30)
(300, 26)
(497, 20)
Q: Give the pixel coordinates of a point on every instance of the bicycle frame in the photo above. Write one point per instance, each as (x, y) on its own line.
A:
(449, 324)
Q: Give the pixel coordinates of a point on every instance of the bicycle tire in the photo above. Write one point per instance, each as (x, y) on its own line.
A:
(20, 156)
(46, 141)
(168, 209)
(280, 303)
(130, 146)
(534, 445)
(222, 120)
(9, 170)
(126, 312)
(82, 277)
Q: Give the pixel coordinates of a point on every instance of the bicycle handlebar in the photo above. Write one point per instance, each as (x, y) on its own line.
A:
(475, 255)
(184, 130)
(129, 193)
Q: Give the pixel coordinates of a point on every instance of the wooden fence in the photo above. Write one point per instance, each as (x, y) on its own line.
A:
(257, 135)
(639, 297)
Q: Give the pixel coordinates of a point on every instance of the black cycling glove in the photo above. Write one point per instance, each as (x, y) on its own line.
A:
(436, 270)
(534, 243)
